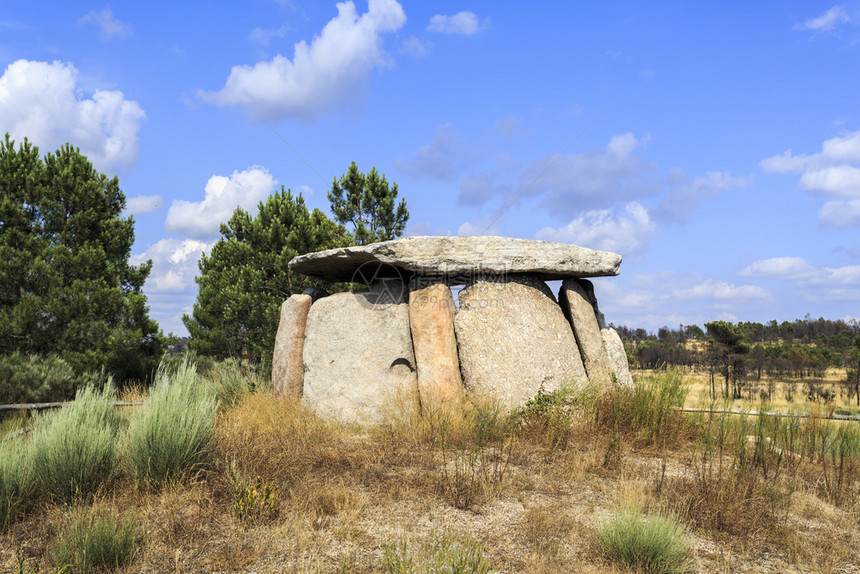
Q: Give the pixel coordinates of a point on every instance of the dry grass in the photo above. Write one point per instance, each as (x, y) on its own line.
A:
(535, 504)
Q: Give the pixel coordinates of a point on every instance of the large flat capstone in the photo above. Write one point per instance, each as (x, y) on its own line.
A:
(457, 259)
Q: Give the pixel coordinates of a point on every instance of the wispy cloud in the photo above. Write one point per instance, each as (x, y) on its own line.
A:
(441, 159)
(462, 23)
(827, 22)
(109, 26)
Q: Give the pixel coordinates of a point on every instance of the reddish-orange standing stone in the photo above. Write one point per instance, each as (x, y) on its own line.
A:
(287, 367)
(431, 320)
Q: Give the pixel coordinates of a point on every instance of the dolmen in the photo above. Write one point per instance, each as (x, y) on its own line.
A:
(404, 343)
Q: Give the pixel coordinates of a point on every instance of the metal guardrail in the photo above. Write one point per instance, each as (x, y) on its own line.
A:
(40, 406)
(834, 416)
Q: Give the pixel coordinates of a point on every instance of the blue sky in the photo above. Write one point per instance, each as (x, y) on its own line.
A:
(716, 147)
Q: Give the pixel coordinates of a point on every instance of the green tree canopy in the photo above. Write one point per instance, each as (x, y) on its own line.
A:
(368, 203)
(245, 279)
(66, 285)
(729, 347)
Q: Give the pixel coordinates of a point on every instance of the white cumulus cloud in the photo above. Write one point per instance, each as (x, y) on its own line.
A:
(834, 173)
(222, 195)
(326, 72)
(42, 102)
(840, 213)
(602, 229)
(174, 264)
(462, 23)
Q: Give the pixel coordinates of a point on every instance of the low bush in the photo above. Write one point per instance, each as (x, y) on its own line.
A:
(171, 435)
(72, 449)
(654, 543)
(232, 379)
(41, 378)
(96, 541)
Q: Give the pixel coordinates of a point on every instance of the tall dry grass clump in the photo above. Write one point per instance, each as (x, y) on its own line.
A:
(171, 435)
(271, 438)
(95, 542)
(649, 412)
(16, 475)
(72, 449)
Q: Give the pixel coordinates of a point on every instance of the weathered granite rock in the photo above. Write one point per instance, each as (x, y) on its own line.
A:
(574, 300)
(514, 341)
(431, 319)
(358, 358)
(287, 363)
(617, 356)
(522, 278)
(458, 257)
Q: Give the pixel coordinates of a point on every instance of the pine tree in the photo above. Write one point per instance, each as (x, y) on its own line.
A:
(66, 285)
(245, 279)
(368, 203)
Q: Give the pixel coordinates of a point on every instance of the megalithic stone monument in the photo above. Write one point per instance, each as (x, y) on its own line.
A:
(403, 341)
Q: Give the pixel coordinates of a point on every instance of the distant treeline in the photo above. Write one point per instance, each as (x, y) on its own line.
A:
(739, 352)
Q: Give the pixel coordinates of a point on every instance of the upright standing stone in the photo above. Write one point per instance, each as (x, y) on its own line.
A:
(431, 319)
(613, 347)
(287, 364)
(576, 304)
(358, 357)
(617, 356)
(514, 341)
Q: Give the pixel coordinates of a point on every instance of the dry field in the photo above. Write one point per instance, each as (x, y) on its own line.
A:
(286, 492)
(771, 392)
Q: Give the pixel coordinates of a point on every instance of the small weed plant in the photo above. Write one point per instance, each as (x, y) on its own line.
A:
(654, 543)
(171, 435)
(72, 449)
(255, 501)
(96, 541)
(448, 551)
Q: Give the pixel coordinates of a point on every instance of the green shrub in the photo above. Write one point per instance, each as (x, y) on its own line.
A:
(41, 378)
(72, 449)
(16, 475)
(232, 379)
(448, 551)
(653, 544)
(171, 434)
(96, 542)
